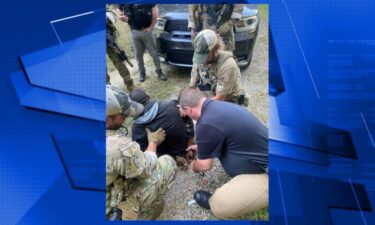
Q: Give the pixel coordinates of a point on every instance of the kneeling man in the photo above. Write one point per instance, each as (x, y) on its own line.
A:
(229, 132)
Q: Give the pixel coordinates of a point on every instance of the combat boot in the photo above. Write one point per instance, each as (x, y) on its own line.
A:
(202, 198)
(161, 75)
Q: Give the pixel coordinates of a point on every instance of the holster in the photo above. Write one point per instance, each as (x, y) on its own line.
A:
(241, 99)
(204, 87)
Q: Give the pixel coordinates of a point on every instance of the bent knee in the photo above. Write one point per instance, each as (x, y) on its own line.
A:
(220, 207)
(167, 163)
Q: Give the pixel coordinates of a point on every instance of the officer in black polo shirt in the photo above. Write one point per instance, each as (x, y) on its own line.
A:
(232, 134)
(142, 19)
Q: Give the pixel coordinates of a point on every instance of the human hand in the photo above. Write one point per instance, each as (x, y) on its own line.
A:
(147, 29)
(157, 136)
(192, 166)
(190, 156)
(181, 162)
(193, 34)
(124, 19)
(193, 148)
(225, 27)
(121, 16)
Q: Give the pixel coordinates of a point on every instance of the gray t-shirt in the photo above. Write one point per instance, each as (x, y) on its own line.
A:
(231, 133)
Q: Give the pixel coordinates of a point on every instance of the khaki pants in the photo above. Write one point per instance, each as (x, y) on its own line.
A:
(243, 194)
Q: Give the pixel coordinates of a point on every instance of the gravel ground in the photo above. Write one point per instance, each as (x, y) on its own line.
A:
(254, 80)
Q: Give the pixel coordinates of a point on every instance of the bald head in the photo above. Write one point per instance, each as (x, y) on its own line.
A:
(189, 97)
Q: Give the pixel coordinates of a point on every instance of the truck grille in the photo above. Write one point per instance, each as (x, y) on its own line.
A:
(176, 25)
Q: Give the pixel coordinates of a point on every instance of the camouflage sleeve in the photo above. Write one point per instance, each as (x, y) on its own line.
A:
(227, 79)
(191, 23)
(237, 11)
(132, 162)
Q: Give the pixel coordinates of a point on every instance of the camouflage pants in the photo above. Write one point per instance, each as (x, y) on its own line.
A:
(146, 200)
(121, 67)
(228, 41)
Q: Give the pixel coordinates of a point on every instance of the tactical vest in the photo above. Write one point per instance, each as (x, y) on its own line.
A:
(207, 75)
(213, 15)
(208, 81)
(140, 15)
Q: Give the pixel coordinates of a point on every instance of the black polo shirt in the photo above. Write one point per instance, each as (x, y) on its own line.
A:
(231, 133)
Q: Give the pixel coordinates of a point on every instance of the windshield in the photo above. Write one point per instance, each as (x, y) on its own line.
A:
(179, 8)
(184, 8)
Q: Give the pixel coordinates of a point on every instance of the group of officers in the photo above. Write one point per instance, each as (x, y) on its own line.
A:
(141, 169)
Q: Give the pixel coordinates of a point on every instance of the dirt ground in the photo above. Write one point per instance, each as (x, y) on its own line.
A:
(254, 80)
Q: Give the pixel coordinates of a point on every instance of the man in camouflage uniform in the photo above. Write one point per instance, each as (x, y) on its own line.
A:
(222, 75)
(115, 53)
(136, 181)
(217, 17)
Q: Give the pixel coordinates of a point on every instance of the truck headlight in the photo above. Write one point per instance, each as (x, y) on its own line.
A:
(247, 23)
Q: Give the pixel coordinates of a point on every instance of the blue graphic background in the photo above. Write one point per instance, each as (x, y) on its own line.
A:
(322, 112)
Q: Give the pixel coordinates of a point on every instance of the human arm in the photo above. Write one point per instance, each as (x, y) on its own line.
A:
(201, 165)
(219, 97)
(191, 23)
(154, 139)
(227, 26)
(125, 158)
(120, 14)
(227, 79)
(210, 144)
(155, 14)
(237, 11)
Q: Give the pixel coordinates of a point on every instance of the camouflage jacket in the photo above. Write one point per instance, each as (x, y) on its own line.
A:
(211, 16)
(125, 165)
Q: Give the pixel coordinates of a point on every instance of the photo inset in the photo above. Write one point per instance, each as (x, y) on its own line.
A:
(187, 112)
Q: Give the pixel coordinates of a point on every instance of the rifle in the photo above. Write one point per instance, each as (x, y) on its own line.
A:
(111, 34)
